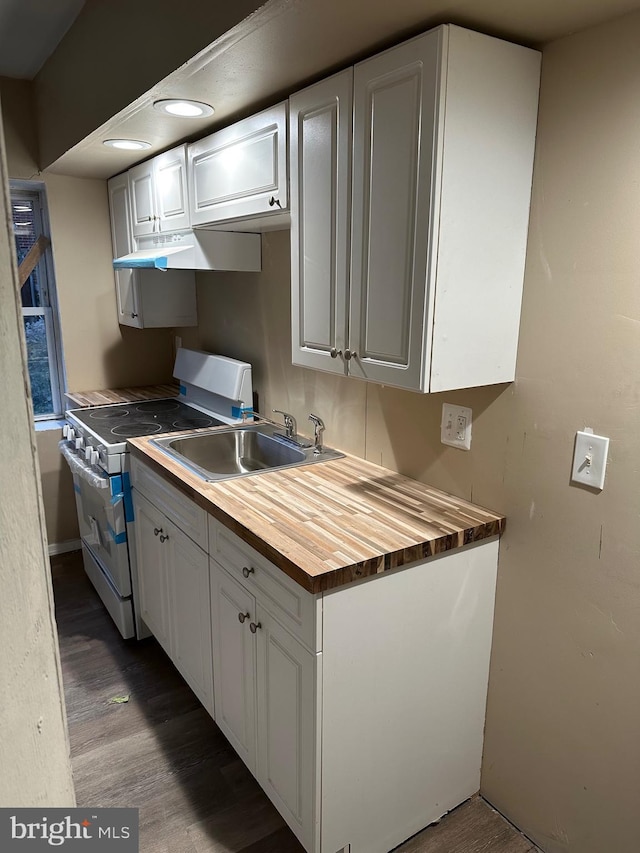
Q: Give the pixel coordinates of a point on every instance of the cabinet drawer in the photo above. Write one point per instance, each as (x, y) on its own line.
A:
(181, 510)
(287, 601)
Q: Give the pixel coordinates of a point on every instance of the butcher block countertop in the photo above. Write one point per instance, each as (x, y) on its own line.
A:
(109, 397)
(330, 523)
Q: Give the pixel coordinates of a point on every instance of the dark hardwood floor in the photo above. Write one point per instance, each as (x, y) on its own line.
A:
(162, 753)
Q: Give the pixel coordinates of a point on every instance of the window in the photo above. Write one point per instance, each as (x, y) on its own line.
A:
(39, 304)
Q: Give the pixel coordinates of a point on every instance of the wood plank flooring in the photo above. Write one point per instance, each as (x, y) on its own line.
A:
(162, 753)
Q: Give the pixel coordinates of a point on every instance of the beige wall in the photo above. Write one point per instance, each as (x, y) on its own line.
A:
(562, 752)
(98, 352)
(34, 747)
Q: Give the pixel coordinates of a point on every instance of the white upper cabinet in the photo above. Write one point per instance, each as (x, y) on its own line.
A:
(159, 197)
(240, 173)
(146, 298)
(320, 175)
(409, 271)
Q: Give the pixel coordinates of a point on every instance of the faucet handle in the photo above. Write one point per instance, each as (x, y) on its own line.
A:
(289, 422)
(316, 421)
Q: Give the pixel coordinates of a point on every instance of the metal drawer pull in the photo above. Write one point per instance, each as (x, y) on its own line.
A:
(164, 538)
(246, 571)
(334, 353)
(349, 355)
(273, 200)
(253, 627)
(157, 530)
(242, 616)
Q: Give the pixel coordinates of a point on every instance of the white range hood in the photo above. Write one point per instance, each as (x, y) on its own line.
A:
(195, 250)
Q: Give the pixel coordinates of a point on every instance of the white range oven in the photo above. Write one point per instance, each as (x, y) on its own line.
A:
(214, 391)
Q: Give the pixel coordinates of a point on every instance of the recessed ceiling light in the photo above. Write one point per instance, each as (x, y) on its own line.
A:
(183, 109)
(127, 144)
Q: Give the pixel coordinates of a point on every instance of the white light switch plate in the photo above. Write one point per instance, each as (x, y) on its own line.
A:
(590, 459)
(455, 427)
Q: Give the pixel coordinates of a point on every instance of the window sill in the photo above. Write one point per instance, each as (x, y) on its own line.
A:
(50, 423)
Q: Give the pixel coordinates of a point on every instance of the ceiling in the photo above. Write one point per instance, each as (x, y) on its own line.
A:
(30, 30)
(286, 44)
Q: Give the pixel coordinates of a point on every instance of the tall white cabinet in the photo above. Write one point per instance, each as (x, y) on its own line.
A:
(410, 189)
(147, 298)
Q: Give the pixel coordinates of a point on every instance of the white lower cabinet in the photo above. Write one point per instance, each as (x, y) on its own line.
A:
(173, 584)
(359, 710)
(265, 684)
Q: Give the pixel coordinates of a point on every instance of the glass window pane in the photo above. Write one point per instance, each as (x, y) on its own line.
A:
(26, 230)
(38, 364)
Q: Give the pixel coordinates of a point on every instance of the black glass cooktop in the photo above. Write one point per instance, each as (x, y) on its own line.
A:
(114, 424)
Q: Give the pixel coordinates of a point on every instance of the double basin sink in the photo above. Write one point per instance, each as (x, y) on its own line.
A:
(220, 454)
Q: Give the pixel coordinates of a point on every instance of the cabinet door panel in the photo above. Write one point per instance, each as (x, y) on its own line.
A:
(142, 199)
(172, 199)
(286, 713)
(395, 119)
(122, 244)
(320, 137)
(236, 171)
(152, 562)
(191, 615)
(233, 662)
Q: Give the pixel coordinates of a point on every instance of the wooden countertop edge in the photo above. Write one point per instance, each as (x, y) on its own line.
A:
(332, 578)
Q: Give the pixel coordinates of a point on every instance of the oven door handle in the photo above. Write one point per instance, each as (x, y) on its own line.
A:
(79, 466)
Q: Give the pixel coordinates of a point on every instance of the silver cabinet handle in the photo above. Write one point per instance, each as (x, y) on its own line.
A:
(246, 571)
(253, 627)
(157, 530)
(133, 315)
(334, 353)
(349, 355)
(146, 219)
(242, 617)
(164, 538)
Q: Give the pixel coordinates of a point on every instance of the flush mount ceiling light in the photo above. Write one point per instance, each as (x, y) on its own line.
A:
(183, 109)
(127, 144)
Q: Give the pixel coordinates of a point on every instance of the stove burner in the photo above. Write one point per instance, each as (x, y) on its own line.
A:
(192, 423)
(108, 412)
(134, 430)
(158, 406)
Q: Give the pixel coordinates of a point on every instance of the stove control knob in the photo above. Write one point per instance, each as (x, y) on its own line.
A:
(65, 431)
(71, 434)
(79, 443)
(87, 454)
(95, 457)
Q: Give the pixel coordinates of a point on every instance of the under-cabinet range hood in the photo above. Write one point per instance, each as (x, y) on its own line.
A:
(195, 250)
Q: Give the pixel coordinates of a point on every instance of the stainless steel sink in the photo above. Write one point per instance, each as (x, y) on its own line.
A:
(221, 454)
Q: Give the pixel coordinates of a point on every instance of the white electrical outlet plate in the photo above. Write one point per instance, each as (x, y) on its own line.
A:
(589, 459)
(455, 427)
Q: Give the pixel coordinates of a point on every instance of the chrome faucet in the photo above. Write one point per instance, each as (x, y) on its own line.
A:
(318, 429)
(291, 427)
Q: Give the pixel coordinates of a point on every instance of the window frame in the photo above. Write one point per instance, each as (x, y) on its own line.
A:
(35, 191)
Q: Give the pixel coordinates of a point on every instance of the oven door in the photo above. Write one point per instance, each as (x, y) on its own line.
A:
(101, 518)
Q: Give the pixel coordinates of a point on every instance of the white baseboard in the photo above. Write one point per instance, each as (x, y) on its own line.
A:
(64, 547)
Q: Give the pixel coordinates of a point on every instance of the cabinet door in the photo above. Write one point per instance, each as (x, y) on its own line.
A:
(320, 119)
(152, 555)
(241, 171)
(143, 207)
(234, 661)
(396, 99)
(122, 244)
(172, 200)
(190, 615)
(286, 725)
